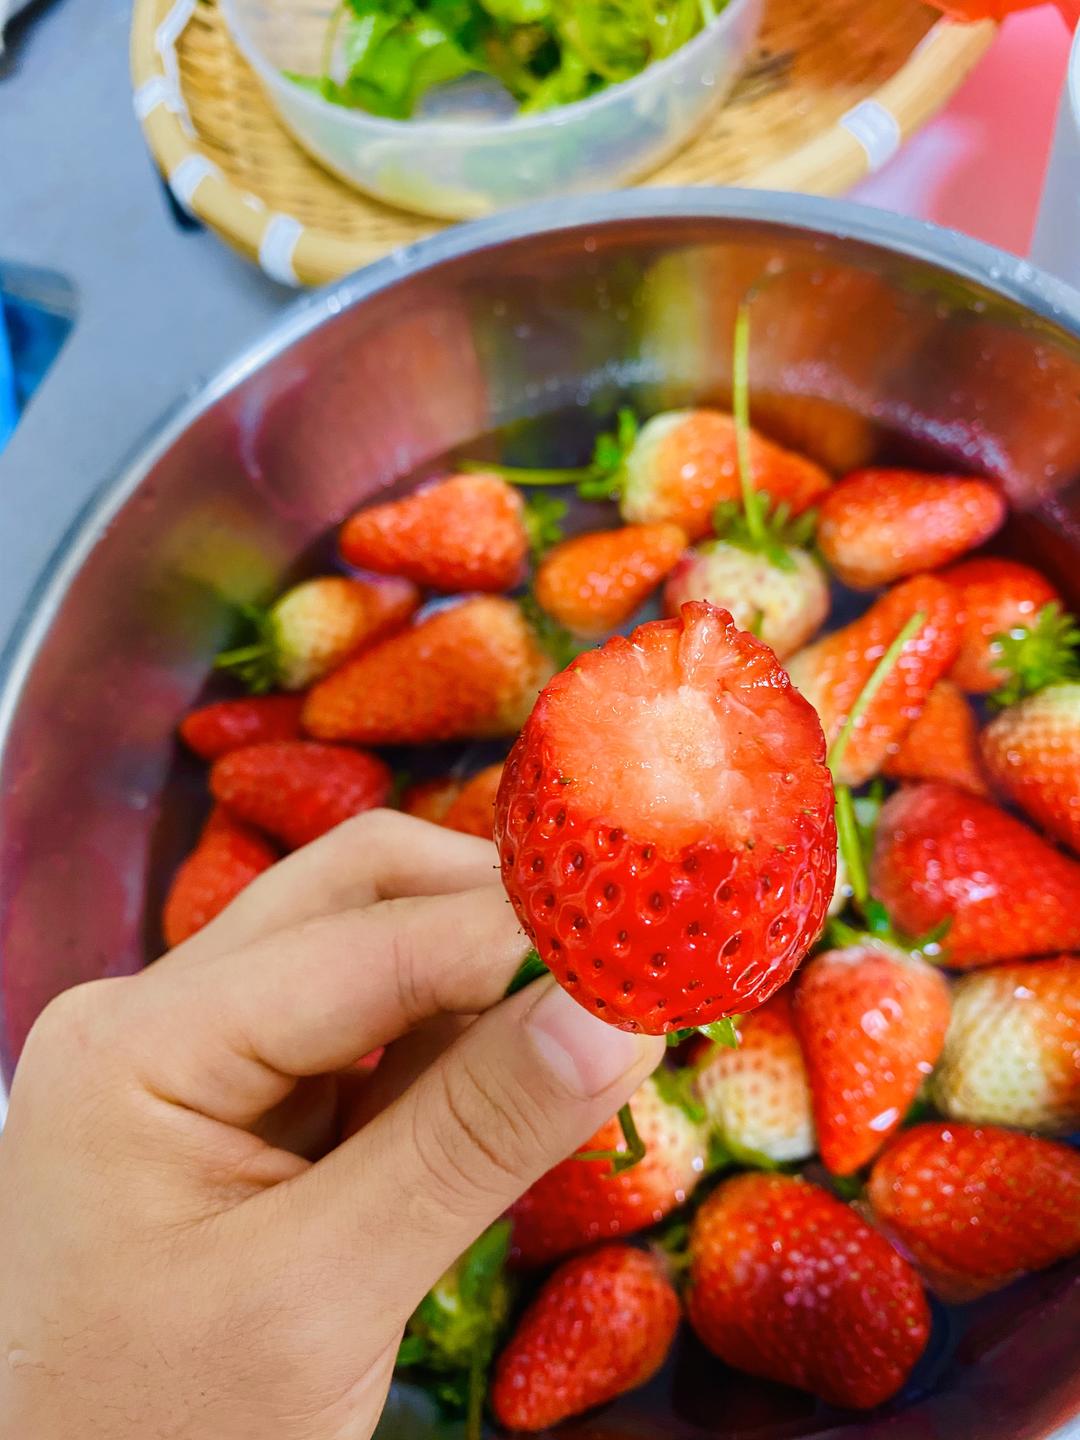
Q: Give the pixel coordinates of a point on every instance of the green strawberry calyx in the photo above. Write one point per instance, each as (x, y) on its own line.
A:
(603, 478)
(1037, 656)
(543, 517)
(554, 639)
(256, 663)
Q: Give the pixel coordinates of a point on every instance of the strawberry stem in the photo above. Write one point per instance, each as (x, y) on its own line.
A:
(847, 831)
(524, 476)
(621, 1160)
(474, 1412)
(740, 404)
(530, 969)
(601, 479)
(882, 670)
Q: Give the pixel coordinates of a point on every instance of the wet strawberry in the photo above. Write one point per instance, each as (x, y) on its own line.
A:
(594, 583)
(877, 526)
(297, 790)
(976, 1207)
(665, 824)
(226, 725)
(756, 1095)
(472, 669)
(997, 596)
(472, 810)
(463, 533)
(430, 799)
(833, 673)
(1012, 1056)
(582, 1201)
(872, 1022)
(600, 1326)
(228, 857)
(942, 855)
(942, 744)
(788, 1283)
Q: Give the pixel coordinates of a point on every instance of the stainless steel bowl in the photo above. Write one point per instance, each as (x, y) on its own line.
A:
(869, 332)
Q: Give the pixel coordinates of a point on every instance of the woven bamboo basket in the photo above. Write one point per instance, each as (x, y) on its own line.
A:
(831, 91)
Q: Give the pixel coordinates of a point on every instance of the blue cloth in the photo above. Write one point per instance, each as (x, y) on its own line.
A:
(9, 410)
(30, 337)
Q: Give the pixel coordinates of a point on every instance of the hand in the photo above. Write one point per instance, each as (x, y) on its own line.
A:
(189, 1248)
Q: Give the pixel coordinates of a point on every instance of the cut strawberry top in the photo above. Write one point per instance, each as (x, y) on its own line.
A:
(684, 732)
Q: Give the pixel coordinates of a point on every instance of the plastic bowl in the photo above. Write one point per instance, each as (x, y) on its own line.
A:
(459, 168)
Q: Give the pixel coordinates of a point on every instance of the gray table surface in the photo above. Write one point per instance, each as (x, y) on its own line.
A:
(159, 307)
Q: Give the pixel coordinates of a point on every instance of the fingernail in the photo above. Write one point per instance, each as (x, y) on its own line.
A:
(587, 1054)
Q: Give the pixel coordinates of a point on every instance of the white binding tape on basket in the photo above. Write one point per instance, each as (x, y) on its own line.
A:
(277, 247)
(166, 39)
(876, 129)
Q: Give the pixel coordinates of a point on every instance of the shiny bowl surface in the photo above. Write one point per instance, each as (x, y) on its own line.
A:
(871, 334)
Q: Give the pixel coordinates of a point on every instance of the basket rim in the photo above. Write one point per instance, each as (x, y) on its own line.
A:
(296, 254)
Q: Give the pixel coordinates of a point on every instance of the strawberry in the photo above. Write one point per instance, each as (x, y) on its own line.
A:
(871, 1021)
(227, 858)
(582, 1201)
(975, 1207)
(1012, 1056)
(833, 673)
(472, 811)
(315, 626)
(997, 596)
(431, 799)
(600, 1326)
(788, 1283)
(297, 790)
(942, 744)
(665, 824)
(684, 463)
(783, 604)
(470, 669)
(226, 725)
(466, 532)
(1032, 749)
(877, 526)
(593, 583)
(757, 1096)
(942, 855)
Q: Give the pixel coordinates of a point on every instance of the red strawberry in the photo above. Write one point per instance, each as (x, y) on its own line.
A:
(227, 858)
(463, 533)
(582, 1201)
(757, 1096)
(942, 744)
(297, 790)
(431, 799)
(471, 669)
(997, 596)
(788, 1283)
(784, 605)
(226, 725)
(600, 1326)
(872, 1022)
(943, 855)
(833, 673)
(977, 1207)
(665, 824)
(593, 583)
(684, 463)
(472, 810)
(877, 526)
(1012, 1056)
(315, 626)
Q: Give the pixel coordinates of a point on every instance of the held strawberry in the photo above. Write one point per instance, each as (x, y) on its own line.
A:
(297, 790)
(470, 670)
(464, 533)
(582, 1201)
(943, 856)
(314, 627)
(431, 799)
(594, 583)
(225, 725)
(833, 673)
(756, 1096)
(877, 526)
(228, 857)
(1012, 1055)
(788, 1283)
(1032, 749)
(872, 1022)
(665, 825)
(977, 1206)
(942, 744)
(996, 596)
(600, 1326)
(472, 809)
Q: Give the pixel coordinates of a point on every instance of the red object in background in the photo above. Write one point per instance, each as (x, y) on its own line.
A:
(998, 9)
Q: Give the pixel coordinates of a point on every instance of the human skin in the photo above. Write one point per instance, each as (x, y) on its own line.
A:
(191, 1248)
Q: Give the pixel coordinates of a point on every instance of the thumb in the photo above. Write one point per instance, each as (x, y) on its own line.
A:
(521, 1089)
